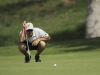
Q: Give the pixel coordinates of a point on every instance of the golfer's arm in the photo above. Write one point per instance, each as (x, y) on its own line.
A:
(22, 36)
(45, 38)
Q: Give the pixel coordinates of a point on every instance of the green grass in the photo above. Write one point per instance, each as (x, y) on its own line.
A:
(82, 63)
(76, 57)
(58, 18)
(65, 23)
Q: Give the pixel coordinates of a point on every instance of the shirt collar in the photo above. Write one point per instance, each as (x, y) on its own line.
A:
(33, 34)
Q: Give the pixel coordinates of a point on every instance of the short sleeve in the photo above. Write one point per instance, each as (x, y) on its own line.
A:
(43, 33)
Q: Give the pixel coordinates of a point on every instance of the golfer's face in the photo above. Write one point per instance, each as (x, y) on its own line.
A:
(30, 32)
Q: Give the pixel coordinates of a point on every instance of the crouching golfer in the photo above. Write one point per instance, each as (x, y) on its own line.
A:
(35, 39)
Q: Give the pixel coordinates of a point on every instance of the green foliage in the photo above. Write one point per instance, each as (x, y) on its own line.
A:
(57, 17)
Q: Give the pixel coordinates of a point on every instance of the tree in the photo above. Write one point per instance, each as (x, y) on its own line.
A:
(93, 19)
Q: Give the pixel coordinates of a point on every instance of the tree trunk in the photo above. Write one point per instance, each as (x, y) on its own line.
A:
(93, 19)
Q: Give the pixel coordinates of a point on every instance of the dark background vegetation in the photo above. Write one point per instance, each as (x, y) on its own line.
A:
(63, 19)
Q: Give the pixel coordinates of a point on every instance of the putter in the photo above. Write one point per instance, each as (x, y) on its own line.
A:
(28, 51)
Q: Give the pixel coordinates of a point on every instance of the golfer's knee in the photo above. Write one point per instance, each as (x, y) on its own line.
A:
(22, 47)
(42, 43)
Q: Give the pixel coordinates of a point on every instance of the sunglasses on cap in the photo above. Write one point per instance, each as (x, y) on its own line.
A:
(29, 30)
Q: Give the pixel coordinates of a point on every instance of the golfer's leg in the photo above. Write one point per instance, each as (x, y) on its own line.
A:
(41, 47)
(22, 49)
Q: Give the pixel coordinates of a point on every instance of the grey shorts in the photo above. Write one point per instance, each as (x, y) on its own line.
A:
(30, 46)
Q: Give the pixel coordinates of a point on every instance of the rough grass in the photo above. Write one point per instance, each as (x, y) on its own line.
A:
(56, 17)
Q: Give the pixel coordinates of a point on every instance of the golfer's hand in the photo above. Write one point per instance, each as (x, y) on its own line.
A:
(24, 24)
(35, 43)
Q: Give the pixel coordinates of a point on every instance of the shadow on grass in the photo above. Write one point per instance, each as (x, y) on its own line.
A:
(74, 41)
(82, 45)
(79, 33)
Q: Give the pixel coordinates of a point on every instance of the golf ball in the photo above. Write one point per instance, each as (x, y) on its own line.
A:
(55, 65)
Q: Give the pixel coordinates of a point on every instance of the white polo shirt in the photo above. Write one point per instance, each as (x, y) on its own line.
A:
(37, 33)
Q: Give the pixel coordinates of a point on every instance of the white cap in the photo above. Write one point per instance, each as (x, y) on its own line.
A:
(29, 25)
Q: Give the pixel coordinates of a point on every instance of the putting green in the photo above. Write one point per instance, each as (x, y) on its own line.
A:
(78, 63)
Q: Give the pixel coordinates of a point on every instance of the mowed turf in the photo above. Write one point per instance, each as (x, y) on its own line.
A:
(75, 57)
(77, 63)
